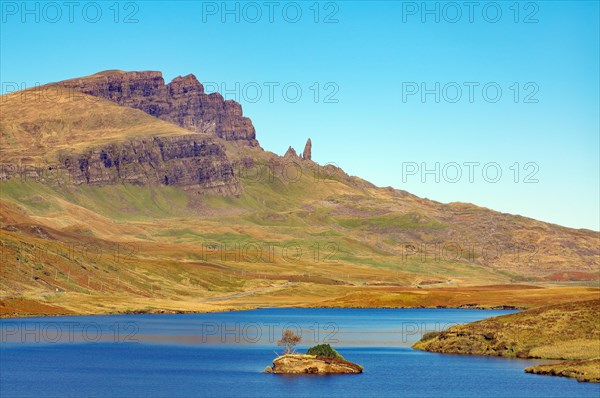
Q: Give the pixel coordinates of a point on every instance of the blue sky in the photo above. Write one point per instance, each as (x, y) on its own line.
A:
(365, 60)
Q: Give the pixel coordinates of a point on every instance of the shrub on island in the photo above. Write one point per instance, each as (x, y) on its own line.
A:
(325, 350)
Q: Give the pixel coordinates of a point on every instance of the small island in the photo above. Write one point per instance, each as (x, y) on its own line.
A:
(311, 364)
(321, 359)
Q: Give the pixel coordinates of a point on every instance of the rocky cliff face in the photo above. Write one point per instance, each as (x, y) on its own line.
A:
(192, 163)
(182, 102)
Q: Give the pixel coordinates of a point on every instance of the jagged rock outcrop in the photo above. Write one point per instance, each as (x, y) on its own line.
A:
(291, 152)
(183, 102)
(312, 364)
(307, 153)
(190, 162)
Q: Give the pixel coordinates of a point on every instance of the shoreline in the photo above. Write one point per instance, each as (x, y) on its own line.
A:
(489, 297)
(174, 312)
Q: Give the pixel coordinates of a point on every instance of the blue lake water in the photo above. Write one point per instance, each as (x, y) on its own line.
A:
(224, 354)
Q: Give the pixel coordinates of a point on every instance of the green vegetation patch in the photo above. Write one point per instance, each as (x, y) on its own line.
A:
(391, 221)
(325, 350)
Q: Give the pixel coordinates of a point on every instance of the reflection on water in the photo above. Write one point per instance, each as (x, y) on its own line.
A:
(349, 327)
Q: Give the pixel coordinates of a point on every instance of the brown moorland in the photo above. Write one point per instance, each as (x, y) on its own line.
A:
(107, 206)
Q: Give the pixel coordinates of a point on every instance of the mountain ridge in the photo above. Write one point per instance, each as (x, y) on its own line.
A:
(207, 208)
(182, 101)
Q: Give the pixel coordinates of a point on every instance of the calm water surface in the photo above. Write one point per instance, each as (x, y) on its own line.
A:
(224, 354)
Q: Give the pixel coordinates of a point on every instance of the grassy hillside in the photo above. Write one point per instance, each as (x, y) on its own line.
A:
(587, 370)
(569, 331)
(38, 123)
(298, 233)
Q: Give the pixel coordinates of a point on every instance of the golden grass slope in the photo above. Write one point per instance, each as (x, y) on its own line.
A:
(550, 332)
(36, 124)
(568, 331)
(586, 370)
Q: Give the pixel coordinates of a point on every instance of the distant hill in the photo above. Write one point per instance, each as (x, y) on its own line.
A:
(159, 196)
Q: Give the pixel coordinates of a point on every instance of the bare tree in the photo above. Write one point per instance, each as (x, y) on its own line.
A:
(289, 340)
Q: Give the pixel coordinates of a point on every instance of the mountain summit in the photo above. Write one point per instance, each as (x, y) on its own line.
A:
(182, 102)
